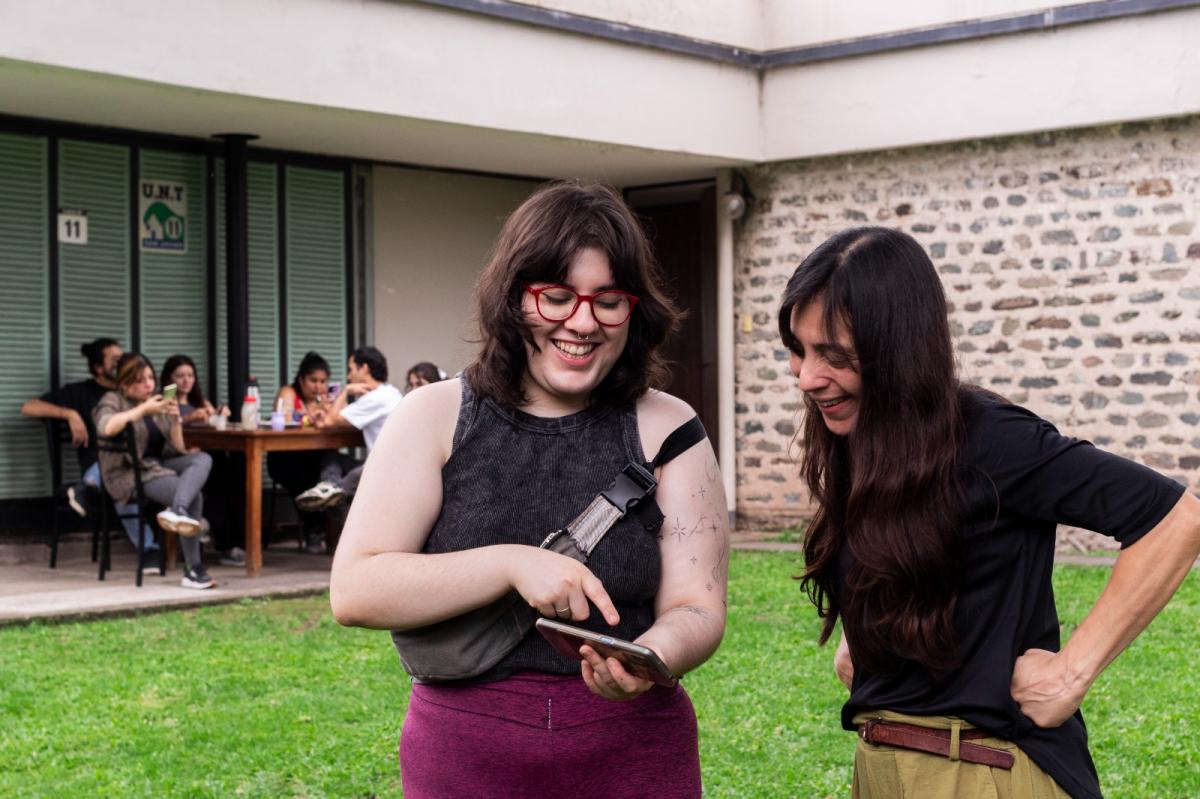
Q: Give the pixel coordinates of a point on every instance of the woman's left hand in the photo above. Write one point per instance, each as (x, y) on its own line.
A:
(607, 678)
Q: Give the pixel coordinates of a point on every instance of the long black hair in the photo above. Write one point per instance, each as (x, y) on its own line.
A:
(195, 397)
(311, 362)
(888, 492)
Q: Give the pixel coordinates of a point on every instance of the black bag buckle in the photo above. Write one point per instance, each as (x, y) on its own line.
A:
(631, 486)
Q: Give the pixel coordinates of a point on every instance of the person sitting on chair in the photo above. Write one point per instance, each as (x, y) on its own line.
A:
(171, 475)
(374, 399)
(73, 404)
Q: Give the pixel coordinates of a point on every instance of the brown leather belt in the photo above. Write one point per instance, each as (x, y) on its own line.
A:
(935, 742)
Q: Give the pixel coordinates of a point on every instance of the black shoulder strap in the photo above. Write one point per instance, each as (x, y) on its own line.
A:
(682, 438)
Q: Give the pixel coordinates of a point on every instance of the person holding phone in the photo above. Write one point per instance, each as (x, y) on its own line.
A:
(171, 475)
(224, 491)
(179, 370)
(933, 541)
(470, 474)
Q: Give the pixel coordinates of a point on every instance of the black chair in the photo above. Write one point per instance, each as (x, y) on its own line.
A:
(125, 442)
(58, 435)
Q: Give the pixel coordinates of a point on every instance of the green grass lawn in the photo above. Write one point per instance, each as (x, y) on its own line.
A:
(272, 699)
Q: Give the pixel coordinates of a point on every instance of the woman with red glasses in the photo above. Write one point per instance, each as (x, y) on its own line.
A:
(470, 475)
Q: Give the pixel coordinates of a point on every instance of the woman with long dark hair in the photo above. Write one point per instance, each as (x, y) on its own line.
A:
(194, 408)
(305, 401)
(470, 475)
(933, 542)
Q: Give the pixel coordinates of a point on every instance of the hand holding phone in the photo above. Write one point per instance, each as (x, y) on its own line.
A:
(638, 660)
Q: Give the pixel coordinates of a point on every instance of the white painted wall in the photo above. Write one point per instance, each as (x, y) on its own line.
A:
(795, 23)
(738, 23)
(432, 234)
(1128, 69)
(401, 59)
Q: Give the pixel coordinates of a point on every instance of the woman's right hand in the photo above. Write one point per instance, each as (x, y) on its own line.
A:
(556, 586)
(153, 405)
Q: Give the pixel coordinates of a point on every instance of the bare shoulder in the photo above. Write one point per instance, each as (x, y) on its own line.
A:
(427, 415)
(659, 413)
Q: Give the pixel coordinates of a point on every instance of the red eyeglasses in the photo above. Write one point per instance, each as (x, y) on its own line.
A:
(610, 307)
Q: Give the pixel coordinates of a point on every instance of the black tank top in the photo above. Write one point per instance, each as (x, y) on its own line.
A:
(512, 478)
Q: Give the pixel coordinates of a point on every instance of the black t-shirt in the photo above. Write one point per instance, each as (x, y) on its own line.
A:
(80, 397)
(154, 441)
(1021, 477)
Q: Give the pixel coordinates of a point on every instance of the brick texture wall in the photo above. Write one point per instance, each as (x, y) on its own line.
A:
(1071, 261)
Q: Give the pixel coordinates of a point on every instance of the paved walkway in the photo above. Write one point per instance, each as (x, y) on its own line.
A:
(32, 591)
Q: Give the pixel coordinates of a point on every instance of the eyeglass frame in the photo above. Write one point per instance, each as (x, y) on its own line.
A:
(580, 299)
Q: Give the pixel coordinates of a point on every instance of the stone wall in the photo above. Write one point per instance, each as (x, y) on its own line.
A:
(1071, 261)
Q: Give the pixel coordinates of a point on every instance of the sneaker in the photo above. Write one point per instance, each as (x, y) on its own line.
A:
(236, 556)
(177, 523)
(314, 542)
(196, 577)
(322, 495)
(76, 498)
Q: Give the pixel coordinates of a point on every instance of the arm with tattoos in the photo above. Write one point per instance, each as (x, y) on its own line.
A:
(694, 541)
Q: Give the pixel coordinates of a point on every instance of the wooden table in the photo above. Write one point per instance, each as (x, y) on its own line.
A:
(254, 443)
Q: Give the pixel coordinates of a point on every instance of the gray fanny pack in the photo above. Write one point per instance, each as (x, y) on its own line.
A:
(467, 645)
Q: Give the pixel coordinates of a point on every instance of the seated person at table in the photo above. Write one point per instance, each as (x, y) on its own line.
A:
(171, 476)
(304, 401)
(373, 399)
(73, 404)
(422, 374)
(194, 408)
(223, 500)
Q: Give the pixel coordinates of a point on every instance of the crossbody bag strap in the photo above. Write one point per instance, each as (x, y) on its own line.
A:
(682, 438)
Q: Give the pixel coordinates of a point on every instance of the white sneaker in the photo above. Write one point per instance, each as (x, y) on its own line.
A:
(177, 523)
(322, 495)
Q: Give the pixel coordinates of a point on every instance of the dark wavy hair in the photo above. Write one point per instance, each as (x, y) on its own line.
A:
(311, 362)
(94, 352)
(889, 492)
(536, 245)
(195, 397)
(426, 371)
(374, 360)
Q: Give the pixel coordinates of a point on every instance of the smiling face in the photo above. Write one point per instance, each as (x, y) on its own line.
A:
(826, 371)
(184, 378)
(574, 356)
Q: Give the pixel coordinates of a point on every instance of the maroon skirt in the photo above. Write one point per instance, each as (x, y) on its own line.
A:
(536, 735)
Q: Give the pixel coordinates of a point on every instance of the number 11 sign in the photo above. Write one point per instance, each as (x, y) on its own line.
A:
(72, 226)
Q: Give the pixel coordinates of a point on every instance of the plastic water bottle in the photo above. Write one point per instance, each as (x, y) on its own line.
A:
(251, 406)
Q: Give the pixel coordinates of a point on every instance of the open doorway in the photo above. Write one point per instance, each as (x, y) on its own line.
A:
(680, 220)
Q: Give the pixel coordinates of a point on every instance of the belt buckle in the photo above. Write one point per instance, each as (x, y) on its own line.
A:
(865, 730)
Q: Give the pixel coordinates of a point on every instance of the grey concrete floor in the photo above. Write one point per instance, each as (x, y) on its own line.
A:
(32, 590)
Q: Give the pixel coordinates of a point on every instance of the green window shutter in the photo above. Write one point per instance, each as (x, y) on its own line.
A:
(262, 233)
(221, 298)
(174, 292)
(316, 265)
(93, 279)
(24, 313)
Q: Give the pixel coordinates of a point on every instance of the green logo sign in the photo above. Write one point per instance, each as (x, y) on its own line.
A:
(162, 207)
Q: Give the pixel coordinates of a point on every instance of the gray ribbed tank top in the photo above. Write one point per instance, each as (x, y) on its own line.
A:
(512, 478)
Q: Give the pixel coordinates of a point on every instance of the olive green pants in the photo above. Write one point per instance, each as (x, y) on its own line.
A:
(886, 772)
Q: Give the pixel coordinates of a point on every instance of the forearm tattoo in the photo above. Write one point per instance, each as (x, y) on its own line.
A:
(710, 524)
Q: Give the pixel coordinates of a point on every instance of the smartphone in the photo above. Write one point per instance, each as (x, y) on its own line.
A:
(638, 660)
(169, 392)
